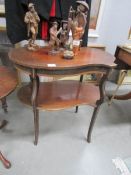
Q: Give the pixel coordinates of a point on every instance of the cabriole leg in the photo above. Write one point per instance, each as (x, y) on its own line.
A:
(34, 104)
(81, 79)
(5, 162)
(93, 119)
(36, 125)
(4, 104)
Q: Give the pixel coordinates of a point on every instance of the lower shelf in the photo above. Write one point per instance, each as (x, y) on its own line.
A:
(61, 95)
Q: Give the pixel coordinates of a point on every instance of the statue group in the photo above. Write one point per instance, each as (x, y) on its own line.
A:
(60, 34)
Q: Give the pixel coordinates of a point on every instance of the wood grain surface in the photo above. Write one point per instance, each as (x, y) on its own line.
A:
(8, 81)
(61, 94)
(41, 58)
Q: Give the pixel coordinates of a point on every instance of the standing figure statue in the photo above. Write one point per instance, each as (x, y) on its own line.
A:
(32, 19)
(64, 33)
(54, 40)
(77, 21)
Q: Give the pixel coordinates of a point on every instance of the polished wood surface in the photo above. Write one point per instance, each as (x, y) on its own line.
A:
(61, 94)
(41, 58)
(8, 81)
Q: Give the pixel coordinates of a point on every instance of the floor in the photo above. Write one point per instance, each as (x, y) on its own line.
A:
(62, 148)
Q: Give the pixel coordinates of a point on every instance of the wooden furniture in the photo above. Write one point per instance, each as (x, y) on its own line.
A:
(8, 82)
(58, 95)
(123, 61)
(123, 58)
(5, 162)
(2, 10)
(4, 49)
(97, 46)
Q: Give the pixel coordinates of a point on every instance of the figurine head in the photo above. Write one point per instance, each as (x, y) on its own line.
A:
(55, 25)
(82, 6)
(64, 24)
(31, 7)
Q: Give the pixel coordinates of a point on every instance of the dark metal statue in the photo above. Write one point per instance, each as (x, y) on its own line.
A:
(32, 19)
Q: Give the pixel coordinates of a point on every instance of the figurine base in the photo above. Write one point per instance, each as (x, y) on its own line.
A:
(53, 52)
(68, 55)
(33, 47)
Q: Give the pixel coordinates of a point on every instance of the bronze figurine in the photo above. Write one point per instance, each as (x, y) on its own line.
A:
(32, 19)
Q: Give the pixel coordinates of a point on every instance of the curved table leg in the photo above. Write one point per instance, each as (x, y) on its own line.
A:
(98, 104)
(114, 96)
(3, 123)
(4, 104)
(35, 86)
(93, 119)
(123, 97)
(81, 79)
(5, 162)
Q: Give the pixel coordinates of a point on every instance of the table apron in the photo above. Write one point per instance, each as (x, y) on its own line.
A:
(66, 72)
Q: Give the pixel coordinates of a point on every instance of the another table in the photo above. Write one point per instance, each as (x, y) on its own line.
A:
(123, 61)
(8, 82)
(58, 95)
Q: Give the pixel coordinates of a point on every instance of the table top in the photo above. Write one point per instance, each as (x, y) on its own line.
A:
(8, 81)
(42, 60)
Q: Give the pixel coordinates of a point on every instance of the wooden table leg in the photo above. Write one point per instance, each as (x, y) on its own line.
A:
(93, 119)
(35, 87)
(4, 104)
(98, 104)
(114, 96)
(3, 123)
(5, 162)
(123, 97)
(81, 79)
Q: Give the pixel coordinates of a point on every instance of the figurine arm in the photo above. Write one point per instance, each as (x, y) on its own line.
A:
(52, 33)
(26, 19)
(59, 30)
(85, 20)
(37, 17)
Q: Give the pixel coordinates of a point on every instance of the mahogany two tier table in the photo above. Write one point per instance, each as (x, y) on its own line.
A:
(58, 95)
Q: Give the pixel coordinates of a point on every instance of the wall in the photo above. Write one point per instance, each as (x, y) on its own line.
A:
(115, 24)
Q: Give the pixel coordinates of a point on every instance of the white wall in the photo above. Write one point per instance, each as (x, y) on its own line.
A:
(115, 24)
